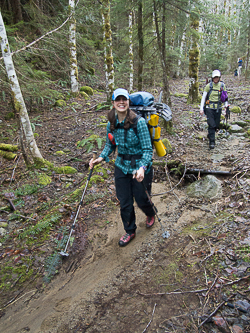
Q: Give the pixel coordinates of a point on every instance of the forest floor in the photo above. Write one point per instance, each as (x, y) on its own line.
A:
(155, 284)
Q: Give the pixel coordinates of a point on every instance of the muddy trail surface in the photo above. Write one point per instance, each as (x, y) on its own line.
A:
(182, 283)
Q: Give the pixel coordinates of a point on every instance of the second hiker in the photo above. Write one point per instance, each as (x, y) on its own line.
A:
(134, 155)
(211, 104)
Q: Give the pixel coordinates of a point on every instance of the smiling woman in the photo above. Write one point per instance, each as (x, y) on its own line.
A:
(133, 165)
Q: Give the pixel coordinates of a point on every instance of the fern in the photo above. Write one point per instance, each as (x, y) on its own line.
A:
(91, 142)
(52, 265)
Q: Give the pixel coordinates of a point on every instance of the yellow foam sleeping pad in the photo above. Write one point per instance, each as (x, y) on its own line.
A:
(155, 132)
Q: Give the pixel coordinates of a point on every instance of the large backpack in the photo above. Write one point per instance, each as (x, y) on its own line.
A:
(222, 94)
(142, 103)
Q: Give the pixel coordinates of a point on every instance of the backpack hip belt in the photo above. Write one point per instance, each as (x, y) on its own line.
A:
(131, 158)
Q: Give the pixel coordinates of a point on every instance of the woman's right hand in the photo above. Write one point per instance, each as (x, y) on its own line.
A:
(93, 162)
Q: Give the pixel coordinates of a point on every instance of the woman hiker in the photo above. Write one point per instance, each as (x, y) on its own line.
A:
(211, 105)
(133, 164)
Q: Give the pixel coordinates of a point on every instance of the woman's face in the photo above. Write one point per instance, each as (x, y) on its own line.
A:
(121, 104)
(216, 79)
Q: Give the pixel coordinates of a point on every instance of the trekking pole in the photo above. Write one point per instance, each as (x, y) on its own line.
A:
(227, 116)
(165, 233)
(65, 253)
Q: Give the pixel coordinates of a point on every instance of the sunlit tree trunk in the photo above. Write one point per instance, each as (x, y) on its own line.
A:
(72, 48)
(109, 62)
(131, 67)
(32, 152)
(194, 59)
(140, 41)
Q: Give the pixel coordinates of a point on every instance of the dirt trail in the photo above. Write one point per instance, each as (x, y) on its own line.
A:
(105, 292)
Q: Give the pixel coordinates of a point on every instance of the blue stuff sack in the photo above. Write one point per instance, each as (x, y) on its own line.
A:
(142, 98)
(223, 96)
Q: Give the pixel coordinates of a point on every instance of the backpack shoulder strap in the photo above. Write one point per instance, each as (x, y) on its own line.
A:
(135, 121)
(210, 89)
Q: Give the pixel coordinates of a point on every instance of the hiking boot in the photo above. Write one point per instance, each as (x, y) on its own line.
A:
(150, 221)
(211, 145)
(124, 240)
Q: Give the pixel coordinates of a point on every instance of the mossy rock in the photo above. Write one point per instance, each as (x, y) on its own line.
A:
(84, 95)
(60, 152)
(168, 146)
(236, 109)
(88, 90)
(241, 123)
(44, 179)
(9, 116)
(67, 170)
(7, 154)
(8, 147)
(181, 95)
(60, 102)
(248, 133)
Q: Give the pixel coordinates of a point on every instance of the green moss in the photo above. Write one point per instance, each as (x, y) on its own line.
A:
(236, 109)
(60, 102)
(8, 147)
(43, 179)
(87, 90)
(168, 146)
(7, 155)
(84, 94)
(60, 152)
(180, 95)
(65, 170)
(9, 115)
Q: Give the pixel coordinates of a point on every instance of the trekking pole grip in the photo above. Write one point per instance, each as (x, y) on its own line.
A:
(94, 157)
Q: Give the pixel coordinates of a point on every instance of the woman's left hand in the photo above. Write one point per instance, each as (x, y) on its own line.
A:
(139, 175)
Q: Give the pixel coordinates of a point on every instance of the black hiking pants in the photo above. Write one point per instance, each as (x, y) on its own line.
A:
(128, 189)
(213, 121)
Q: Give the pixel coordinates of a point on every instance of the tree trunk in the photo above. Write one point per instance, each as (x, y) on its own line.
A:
(19, 104)
(194, 59)
(16, 10)
(162, 49)
(72, 47)
(140, 40)
(109, 62)
(131, 68)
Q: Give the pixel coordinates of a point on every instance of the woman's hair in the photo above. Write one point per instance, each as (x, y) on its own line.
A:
(128, 120)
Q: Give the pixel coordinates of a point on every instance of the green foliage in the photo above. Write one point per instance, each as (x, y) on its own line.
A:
(52, 265)
(45, 224)
(91, 142)
(26, 190)
(9, 116)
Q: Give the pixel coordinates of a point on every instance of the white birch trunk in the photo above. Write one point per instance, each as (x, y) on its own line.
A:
(131, 67)
(105, 54)
(72, 48)
(108, 44)
(19, 104)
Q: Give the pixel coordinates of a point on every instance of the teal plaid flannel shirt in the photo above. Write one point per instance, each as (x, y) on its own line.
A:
(139, 144)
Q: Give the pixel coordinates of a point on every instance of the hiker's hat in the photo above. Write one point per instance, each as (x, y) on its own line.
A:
(120, 92)
(216, 73)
